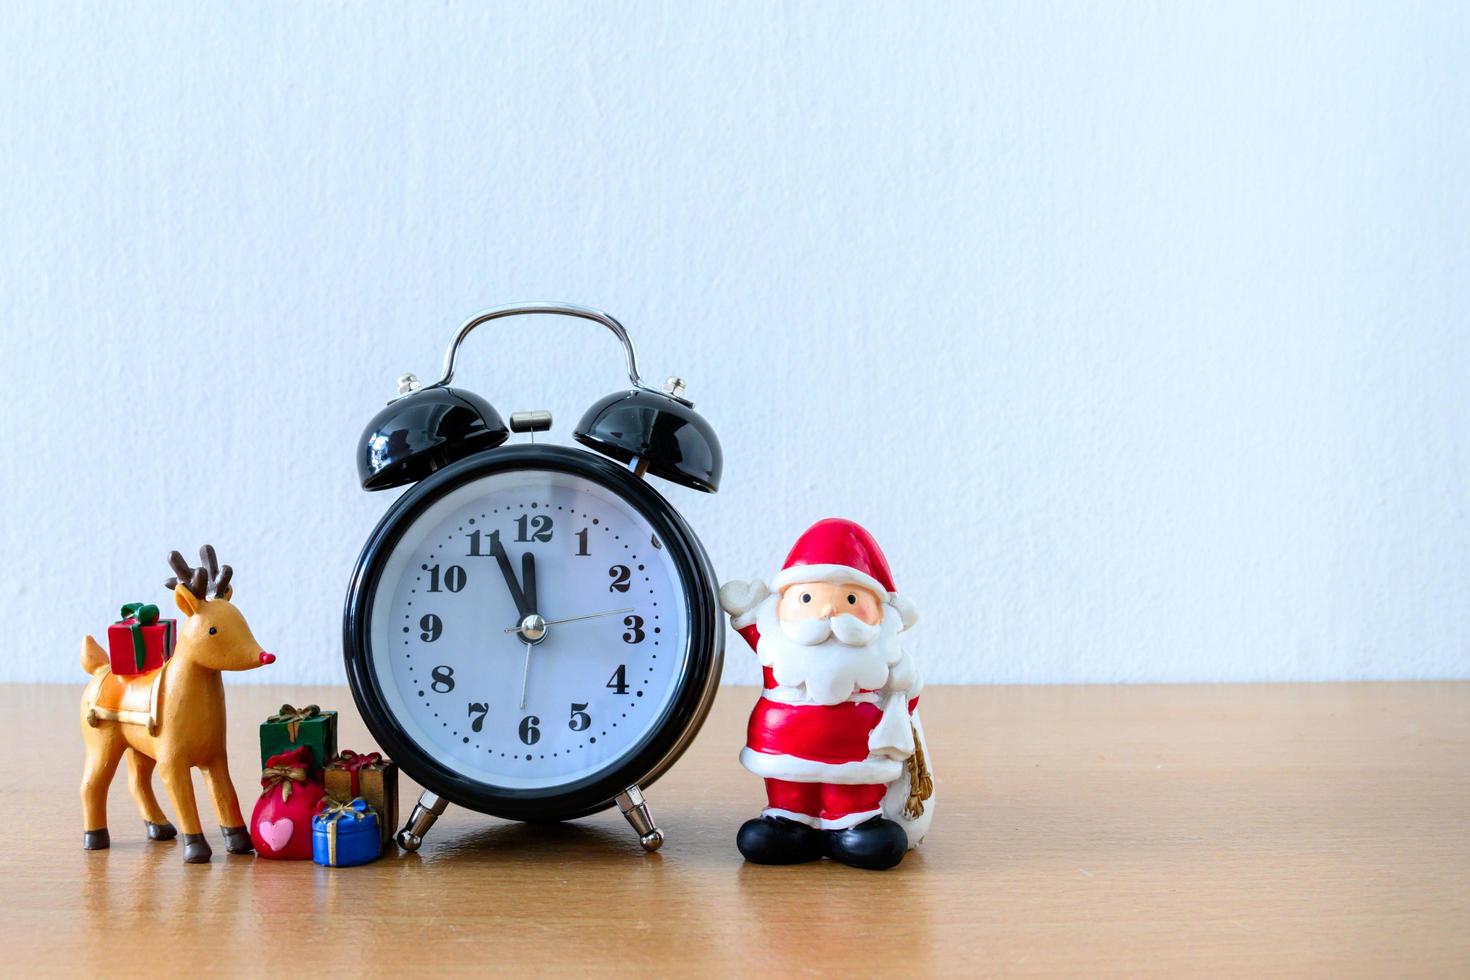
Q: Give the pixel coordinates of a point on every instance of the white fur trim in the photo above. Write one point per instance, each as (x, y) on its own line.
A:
(840, 574)
(798, 770)
(822, 823)
(792, 815)
(906, 609)
(893, 736)
(851, 819)
(798, 695)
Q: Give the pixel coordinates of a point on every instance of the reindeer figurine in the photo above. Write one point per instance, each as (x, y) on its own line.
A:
(172, 717)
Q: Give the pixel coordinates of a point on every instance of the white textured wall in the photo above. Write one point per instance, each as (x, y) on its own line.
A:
(1136, 332)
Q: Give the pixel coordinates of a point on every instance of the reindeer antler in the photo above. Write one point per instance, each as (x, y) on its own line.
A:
(209, 572)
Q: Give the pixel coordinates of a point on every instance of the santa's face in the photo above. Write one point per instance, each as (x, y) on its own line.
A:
(823, 600)
(831, 639)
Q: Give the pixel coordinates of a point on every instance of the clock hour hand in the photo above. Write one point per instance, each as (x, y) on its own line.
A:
(523, 607)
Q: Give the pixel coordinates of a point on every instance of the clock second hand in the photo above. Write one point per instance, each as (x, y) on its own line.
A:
(572, 619)
(526, 673)
(526, 670)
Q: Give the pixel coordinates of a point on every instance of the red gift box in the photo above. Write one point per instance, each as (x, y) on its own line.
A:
(140, 641)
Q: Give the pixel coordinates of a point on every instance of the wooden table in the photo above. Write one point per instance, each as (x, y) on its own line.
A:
(1293, 829)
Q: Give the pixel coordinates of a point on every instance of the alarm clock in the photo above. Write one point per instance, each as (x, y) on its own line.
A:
(532, 631)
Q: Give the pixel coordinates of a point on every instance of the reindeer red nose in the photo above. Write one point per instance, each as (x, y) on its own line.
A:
(267, 658)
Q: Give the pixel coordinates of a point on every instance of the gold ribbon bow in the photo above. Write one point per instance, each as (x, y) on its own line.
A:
(921, 783)
(284, 777)
(353, 763)
(332, 811)
(293, 717)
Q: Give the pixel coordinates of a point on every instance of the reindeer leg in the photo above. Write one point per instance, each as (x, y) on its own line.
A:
(140, 781)
(227, 806)
(180, 786)
(102, 759)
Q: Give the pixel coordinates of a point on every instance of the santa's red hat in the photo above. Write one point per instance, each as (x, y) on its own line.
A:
(840, 551)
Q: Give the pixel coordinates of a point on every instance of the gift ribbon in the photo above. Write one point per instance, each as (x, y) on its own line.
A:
(293, 717)
(146, 613)
(284, 777)
(353, 763)
(333, 811)
(142, 614)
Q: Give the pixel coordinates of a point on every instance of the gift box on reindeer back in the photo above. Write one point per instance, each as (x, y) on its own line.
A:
(290, 728)
(140, 641)
(367, 775)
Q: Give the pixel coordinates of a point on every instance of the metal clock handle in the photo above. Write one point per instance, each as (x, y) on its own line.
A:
(564, 309)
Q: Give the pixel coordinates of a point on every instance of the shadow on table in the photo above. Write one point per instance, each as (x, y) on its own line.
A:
(535, 843)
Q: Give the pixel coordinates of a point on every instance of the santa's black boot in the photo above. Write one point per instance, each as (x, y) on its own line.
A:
(874, 845)
(776, 840)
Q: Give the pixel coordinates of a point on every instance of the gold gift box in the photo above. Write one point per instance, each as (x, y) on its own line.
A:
(377, 783)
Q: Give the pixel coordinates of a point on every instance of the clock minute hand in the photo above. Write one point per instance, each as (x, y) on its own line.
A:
(573, 619)
(528, 582)
(523, 608)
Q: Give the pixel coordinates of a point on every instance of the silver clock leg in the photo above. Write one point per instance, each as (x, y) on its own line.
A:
(630, 802)
(425, 812)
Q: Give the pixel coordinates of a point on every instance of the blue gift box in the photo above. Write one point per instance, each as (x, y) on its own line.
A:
(344, 834)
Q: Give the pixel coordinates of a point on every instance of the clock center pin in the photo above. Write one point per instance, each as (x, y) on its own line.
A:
(533, 628)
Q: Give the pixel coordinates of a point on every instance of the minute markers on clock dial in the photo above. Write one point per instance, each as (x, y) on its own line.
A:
(596, 603)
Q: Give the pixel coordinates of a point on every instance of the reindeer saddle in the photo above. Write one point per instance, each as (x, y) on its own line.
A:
(131, 700)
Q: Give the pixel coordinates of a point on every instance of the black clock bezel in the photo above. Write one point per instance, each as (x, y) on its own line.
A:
(679, 721)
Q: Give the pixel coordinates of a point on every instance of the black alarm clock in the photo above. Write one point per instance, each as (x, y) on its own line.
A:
(532, 631)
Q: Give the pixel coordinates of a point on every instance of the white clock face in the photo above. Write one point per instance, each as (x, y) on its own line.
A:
(472, 692)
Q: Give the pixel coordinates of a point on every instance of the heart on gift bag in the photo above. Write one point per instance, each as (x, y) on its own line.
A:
(276, 833)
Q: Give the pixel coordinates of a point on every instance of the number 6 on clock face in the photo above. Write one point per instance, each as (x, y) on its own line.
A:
(529, 631)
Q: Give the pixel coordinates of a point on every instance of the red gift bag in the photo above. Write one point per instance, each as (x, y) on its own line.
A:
(280, 825)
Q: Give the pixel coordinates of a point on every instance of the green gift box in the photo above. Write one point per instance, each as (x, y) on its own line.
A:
(291, 728)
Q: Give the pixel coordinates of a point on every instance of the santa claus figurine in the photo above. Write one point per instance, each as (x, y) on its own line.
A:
(836, 733)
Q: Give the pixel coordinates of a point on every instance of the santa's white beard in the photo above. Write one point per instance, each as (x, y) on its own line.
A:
(830, 669)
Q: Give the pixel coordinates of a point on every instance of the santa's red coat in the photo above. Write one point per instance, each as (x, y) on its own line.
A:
(815, 743)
